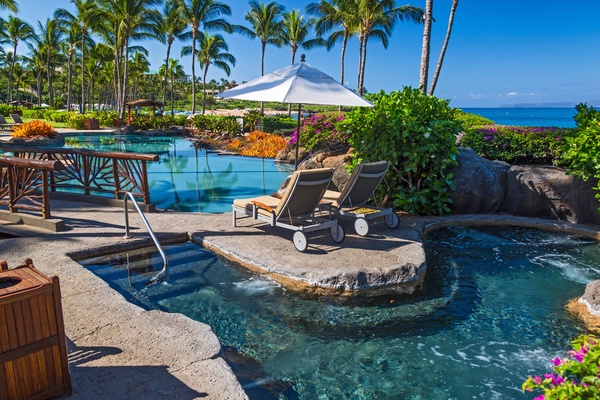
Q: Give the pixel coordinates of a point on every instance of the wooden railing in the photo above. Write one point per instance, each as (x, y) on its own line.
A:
(90, 172)
(24, 184)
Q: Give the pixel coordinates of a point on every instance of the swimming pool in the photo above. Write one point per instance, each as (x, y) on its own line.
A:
(491, 313)
(190, 179)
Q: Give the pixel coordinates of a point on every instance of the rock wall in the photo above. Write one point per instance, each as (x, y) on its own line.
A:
(484, 186)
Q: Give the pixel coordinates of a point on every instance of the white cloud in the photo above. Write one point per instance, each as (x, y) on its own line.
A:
(511, 94)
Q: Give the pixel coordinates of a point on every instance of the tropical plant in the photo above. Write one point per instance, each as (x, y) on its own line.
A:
(175, 70)
(517, 144)
(583, 147)
(213, 50)
(333, 14)
(130, 20)
(263, 144)
(32, 129)
(202, 14)
(376, 20)
(469, 120)
(278, 123)
(321, 132)
(86, 15)
(577, 377)
(13, 31)
(266, 25)
(172, 27)
(49, 39)
(9, 4)
(416, 134)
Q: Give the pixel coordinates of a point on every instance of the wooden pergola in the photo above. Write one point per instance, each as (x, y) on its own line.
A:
(143, 103)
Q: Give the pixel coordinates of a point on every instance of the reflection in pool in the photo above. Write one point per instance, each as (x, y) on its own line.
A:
(190, 179)
(491, 312)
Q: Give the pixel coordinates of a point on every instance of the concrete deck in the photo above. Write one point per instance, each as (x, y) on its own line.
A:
(118, 350)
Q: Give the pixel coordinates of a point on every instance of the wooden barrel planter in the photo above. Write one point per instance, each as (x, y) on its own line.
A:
(91, 124)
(33, 352)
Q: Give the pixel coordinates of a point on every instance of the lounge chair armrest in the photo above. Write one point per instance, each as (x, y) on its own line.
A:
(263, 206)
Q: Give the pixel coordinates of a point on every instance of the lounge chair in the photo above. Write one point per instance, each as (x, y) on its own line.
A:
(352, 200)
(16, 118)
(296, 209)
(4, 124)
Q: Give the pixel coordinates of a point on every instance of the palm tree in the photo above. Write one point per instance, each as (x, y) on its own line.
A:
(266, 25)
(173, 27)
(9, 4)
(332, 14)
(37, 62)
(15, 30)
(69, 49)
(295, 33)
(139, 66)
(175, 70)
(205, 14)
(213, 50)
(86, 15)
(130, 20)
(49, 40)
(377, 19)
(444, 46)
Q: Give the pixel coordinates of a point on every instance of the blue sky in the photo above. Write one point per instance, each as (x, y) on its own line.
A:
(501, 52)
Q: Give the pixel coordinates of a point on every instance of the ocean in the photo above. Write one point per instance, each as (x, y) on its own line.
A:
(559, 117)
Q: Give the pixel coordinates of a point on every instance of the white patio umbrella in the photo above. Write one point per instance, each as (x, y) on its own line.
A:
(298, 83)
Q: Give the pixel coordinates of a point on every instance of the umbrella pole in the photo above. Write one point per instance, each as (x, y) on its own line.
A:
(298, 137)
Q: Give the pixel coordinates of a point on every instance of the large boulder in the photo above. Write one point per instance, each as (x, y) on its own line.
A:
(480, 183)
(591, 297)
(547, 192)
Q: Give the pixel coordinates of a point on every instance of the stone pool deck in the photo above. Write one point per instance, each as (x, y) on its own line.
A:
(117, 350)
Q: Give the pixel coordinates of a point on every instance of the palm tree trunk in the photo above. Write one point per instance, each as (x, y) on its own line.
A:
(262, 72)
(125, 75)
(204, 89)
(49, 77)
(82, 107)
(343, 56)
(426, 47)
(69, 81)
(361, 70)
(172, 90)
(193, 70)
(443, 52)
(10, 74)
(38, 78)
(166, 73)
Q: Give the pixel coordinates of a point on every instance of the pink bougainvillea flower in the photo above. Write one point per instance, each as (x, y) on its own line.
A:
(556, 361)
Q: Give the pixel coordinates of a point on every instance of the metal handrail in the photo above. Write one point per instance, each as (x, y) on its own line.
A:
(150, 231)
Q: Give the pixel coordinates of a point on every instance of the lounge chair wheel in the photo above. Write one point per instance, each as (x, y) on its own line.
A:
(361, 226)
(392, 221)
(300, 241)
(337, 233)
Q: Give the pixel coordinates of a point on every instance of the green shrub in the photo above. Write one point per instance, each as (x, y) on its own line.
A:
(582, 153)
(416, 133)
(469, 121)
(250, 118)
(321, 132)
(5, 109)
(202, 122)
(61, 117)
(75, 120)
(277, 123)
(517, 144)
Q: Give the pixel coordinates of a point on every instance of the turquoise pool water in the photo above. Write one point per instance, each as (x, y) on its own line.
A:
(491, 313)
(190, 179)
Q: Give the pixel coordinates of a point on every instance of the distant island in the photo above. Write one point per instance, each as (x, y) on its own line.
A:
(591, 103)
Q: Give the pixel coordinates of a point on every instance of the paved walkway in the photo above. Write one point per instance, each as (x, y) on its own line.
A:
(117, 350)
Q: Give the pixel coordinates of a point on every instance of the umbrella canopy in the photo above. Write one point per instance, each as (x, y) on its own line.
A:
(298, 83)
